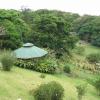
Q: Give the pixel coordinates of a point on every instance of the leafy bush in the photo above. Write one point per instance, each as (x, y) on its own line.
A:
(67, 68)
(50, 91)
(7, 44)
(42, 75)
(97, 85)
(45, 66)
(11, 44)
(7, 59)
(81, 89)
(25, 64)
(93, 58)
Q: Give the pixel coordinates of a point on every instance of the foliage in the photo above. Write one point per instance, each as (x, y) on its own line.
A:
(96, 31)
(96, 83)
(7, 44)
(93, 58)
(2, 31)
(28, 64)
(79, 50)
(14, 27)
(43, 27)
(44, 66)
(42, 75)
(88, 28)
(83, 27)
(51, 29)
(67, 68)
(81, 89)
(50, 91)
(96, 39)
(7, 59)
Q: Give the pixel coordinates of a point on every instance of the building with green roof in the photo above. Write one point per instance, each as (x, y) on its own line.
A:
(29, 51)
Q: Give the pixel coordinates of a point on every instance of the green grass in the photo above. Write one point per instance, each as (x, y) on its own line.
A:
(90, 49)
(19, 82)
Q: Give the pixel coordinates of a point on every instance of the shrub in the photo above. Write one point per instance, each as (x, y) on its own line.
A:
(42, 75)
(44, 66)
(81, 89)
(67, 68)
(97, 85)
(28, 64)
(9, 44)
(93, 58)
(7, 59)
(50, 91)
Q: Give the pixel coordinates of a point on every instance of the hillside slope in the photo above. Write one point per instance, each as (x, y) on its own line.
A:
(19, 82)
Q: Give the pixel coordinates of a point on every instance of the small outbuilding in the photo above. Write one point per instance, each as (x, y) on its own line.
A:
(29, 51)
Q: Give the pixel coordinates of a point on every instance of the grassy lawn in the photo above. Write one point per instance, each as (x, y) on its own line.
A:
(19, 82)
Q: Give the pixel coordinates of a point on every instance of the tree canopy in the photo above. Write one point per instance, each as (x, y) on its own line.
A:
(48, 28)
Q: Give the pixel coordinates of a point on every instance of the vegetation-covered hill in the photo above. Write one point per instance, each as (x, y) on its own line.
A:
(20, 82)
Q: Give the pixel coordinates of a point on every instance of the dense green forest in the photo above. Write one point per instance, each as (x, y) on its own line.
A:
(52, 29)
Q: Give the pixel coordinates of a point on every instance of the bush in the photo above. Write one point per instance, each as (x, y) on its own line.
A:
(28, 64)
(50, 91)
(44, 66)
(93, 58)
(81, 89)
(42, 75)
(7, 59)
(67, 68)
(97, 85)
(9, 44)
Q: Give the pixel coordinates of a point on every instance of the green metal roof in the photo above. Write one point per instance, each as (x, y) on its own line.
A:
(29, 51)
